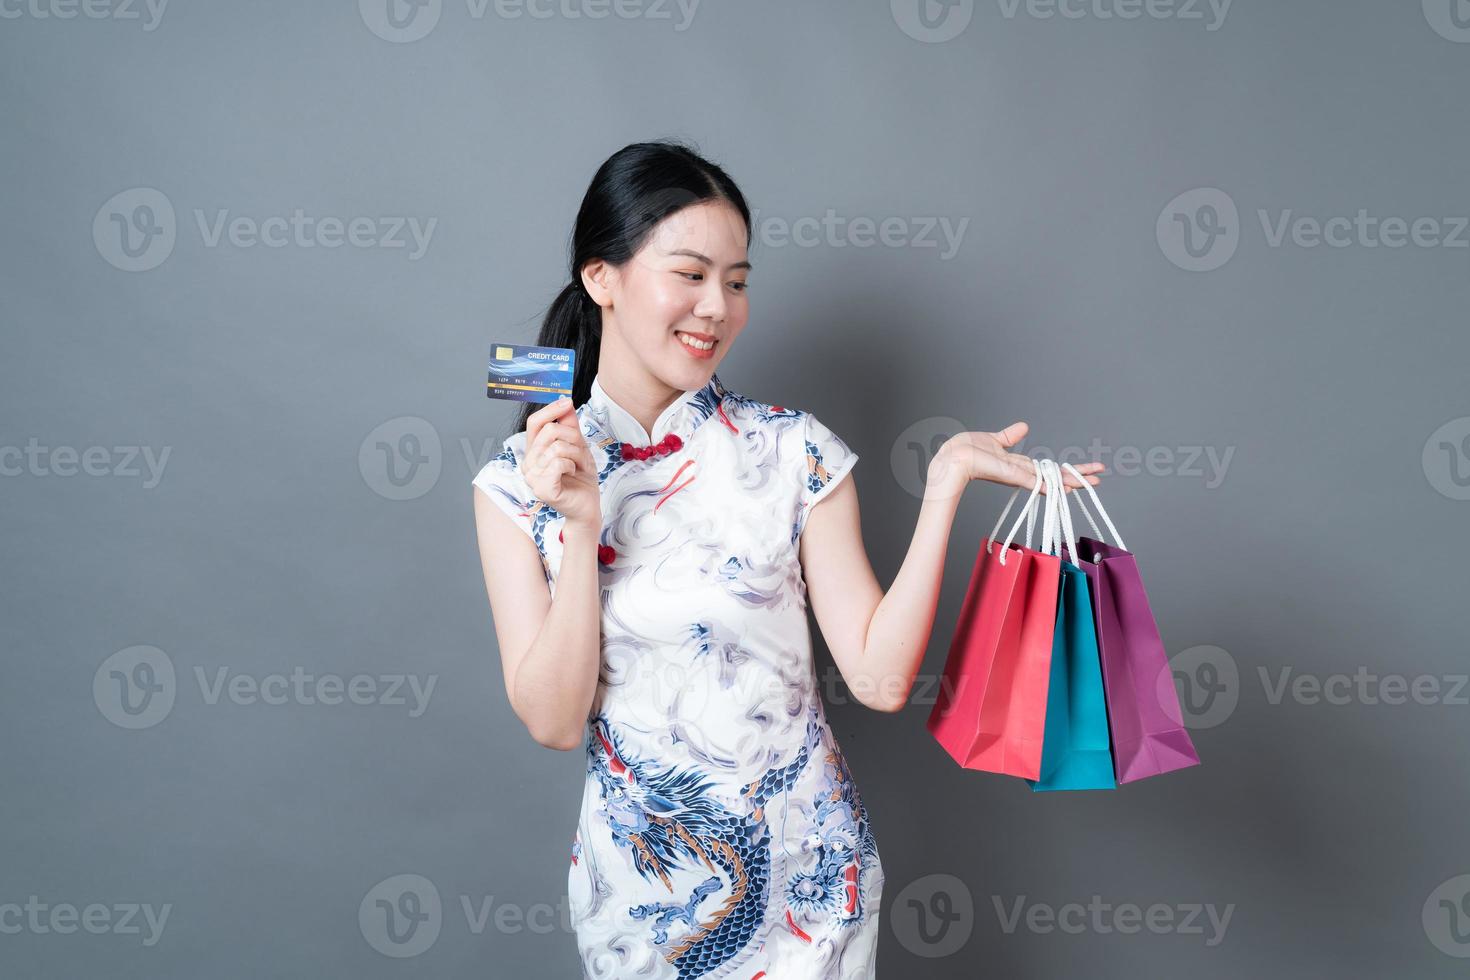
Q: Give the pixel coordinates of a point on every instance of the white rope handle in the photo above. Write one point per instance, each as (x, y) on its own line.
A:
(1059, 512)
(1030, 524)
(1107, 520)
(1025, 509)
(1049, 525)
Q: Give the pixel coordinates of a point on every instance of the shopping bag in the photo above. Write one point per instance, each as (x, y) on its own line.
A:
(991, 711)
(1075, 753)
(1144, 719)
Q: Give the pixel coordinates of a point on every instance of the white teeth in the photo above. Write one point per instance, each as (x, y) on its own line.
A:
(696, 344)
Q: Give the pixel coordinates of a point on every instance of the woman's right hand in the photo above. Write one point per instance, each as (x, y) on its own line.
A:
(558, 463)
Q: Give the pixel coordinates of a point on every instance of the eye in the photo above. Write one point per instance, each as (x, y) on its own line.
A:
(740, 287)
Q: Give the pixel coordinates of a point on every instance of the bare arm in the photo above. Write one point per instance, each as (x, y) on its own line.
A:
(878, 640)
(549, 647)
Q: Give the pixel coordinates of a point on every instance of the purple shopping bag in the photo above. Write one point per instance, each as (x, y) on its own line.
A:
(1147, 726)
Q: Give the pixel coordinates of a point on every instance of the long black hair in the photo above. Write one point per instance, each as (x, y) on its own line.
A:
(633, 190)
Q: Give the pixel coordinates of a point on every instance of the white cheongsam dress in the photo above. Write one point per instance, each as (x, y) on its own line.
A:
(721, 833)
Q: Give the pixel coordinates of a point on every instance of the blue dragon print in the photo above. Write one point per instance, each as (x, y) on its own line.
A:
(668, 819)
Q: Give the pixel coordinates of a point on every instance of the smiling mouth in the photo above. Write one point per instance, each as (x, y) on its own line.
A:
(695, 342)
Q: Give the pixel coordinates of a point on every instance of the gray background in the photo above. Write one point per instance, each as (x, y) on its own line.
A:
(272, 542)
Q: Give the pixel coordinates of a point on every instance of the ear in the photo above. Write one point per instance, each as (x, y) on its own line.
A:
(599, 278)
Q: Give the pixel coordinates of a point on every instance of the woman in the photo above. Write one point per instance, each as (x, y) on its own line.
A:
(649, 555)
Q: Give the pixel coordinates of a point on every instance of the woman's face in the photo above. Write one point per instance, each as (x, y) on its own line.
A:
(687, 282)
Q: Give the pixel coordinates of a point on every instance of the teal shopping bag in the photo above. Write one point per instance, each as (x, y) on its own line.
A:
(1076, 752)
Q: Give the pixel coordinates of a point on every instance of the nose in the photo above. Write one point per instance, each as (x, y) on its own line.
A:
(712, 304)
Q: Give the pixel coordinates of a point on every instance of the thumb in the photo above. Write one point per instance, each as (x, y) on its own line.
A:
(1012, 434)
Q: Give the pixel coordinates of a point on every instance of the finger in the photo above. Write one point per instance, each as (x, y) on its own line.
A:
(552, 410)
(556, 470)
(1024, 470)
(553, 432)
(1012, 434)
(545, 414)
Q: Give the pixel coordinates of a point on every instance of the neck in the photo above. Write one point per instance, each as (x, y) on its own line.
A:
(628, 383)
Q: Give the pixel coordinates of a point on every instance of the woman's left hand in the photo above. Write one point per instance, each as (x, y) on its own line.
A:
(985, 456)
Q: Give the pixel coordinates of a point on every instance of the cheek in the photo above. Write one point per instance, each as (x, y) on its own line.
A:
(669, 303)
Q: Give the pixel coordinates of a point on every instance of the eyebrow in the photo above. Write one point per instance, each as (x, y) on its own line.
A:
(706, 259)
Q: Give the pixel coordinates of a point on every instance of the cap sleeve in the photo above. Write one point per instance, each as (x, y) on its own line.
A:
(502, 482)
(827, 460)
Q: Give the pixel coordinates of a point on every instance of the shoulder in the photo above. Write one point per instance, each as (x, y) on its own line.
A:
(503, 470)
(776, 416)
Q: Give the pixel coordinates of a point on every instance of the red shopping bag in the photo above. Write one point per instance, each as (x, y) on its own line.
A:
(991, 711)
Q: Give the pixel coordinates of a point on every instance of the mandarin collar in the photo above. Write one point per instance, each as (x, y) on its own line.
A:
(681, 417)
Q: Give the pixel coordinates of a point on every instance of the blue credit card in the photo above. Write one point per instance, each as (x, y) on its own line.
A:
(530, 374)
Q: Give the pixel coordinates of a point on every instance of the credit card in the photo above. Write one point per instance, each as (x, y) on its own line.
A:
(524, 373)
